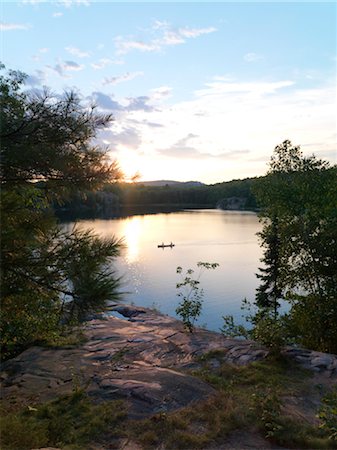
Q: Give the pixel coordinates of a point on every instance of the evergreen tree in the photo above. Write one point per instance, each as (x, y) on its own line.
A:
(299, 211)
(48, 274)
(269, 292)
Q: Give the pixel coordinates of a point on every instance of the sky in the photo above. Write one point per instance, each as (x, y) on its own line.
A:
(198, 90)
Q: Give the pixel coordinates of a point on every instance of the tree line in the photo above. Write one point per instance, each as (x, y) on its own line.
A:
(114, 199)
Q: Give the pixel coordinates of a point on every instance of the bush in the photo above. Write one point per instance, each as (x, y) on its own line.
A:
(189, 309)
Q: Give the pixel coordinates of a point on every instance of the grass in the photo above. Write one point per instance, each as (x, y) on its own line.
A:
(248, 400)
(70, 422)
(67, 338)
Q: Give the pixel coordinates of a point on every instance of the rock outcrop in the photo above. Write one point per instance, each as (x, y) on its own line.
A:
(142, 358)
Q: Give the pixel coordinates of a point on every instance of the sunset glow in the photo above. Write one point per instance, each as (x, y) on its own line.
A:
(198, 91)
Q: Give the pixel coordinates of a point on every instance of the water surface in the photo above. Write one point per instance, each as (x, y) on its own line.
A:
(225, 237)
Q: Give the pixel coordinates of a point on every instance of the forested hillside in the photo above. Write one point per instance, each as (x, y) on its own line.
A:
(114, 198)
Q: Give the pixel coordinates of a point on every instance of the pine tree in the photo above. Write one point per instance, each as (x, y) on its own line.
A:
(269, 292)
(48, 274)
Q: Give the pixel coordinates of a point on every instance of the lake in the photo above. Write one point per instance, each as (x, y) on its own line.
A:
(208, 235)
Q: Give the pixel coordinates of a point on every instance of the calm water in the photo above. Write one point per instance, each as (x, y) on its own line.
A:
(225, 237)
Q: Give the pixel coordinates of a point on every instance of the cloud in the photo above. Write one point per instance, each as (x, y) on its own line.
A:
(195, 32)
(226, 130)
(106, 102)
(32, 2)
(41, 51)
(5, 26)
(121, 78)
(260, 88)
(70, 3)
(128, 137)
(152, 124)
(252, 57)
(139, 104)
(63, 3)
(124, 46)
(103, 62)
(181, 149)
(161, 92)
(35, 80)
(165, 36)
(57, 14)
(130, 104)
(67, 66)
(77, 52)
(170, 38)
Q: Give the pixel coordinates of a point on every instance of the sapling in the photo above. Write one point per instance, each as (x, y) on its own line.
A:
(191, 295)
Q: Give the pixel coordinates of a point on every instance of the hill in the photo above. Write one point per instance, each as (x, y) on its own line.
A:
(170, 183)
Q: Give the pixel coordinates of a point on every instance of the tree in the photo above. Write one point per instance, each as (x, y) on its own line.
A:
(300, 194)
(49, 275)
(270, 291)
(190, 305)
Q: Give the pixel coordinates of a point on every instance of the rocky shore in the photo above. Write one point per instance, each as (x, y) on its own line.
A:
(141, 356)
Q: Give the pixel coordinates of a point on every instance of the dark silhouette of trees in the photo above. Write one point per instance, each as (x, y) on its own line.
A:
(270, 291)
(299, 211)
(48, 275)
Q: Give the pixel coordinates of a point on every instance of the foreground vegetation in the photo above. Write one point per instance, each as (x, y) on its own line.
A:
(50, 277)
(272, 400)
(299, 214)
(298, 200)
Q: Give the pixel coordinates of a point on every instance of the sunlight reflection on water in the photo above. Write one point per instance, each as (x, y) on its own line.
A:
(226, 237)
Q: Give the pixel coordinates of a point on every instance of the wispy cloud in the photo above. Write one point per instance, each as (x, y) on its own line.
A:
(130, 104)
(121, 78)
(195, 32)
(124, 46)
(140, 103)
(165, 36)
(161, 92)
(127, 137)
(104, 62)
(77, 52)
(183, 149)
(38, 55)
(57, 14)
(5, 26)
(259, 88)
(253, 57)
(32, 2)
(70, 3)
(232, 121)
(66, 66)
(35, 80)
(106, 102)
(64, 3)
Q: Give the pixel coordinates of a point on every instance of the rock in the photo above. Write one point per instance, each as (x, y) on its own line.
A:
(47, 448)
(322, 361)
(129, 311)
(245, 359)
(144, 362)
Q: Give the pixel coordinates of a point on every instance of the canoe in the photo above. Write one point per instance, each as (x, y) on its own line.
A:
(165, 245)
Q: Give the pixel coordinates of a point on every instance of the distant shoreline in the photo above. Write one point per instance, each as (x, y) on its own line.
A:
(133, 210)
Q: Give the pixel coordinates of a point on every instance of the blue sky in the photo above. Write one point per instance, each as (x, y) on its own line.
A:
(201, 91)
